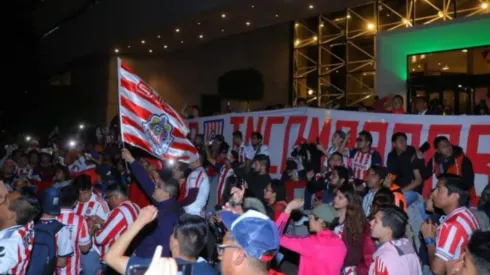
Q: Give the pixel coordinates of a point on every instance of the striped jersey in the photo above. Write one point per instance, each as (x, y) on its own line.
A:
(79, 235)
(348, 270)
(240, 149)
(454, 233)
(197, 179)
(119, 220)
(361, 162)
(224, 173)
(15, 247)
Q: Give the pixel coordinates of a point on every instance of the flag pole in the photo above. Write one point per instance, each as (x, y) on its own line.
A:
(119, 109)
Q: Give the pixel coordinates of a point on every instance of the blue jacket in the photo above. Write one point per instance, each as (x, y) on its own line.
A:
(158, 232)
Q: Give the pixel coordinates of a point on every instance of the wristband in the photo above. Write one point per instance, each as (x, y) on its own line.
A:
(429, 241)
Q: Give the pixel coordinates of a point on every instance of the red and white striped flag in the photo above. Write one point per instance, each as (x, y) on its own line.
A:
(150, 123)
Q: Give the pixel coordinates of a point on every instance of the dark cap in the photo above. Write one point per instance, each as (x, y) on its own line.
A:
(51, 201)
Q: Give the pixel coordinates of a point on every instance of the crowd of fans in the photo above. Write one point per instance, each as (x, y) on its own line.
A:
(104, 209)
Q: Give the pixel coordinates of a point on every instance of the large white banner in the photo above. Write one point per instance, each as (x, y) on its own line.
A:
(281, 129)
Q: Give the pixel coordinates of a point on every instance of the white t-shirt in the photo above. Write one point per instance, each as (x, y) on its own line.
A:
(197, 179)
(15, 249)
(250, 151)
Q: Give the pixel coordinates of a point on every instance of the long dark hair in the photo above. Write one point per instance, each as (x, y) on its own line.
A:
(355, 222)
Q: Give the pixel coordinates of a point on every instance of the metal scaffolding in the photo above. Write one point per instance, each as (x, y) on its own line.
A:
(334, 54)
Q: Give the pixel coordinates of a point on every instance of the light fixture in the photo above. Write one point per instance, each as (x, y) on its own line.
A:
(315, 38)
(159, 37)
(445, 68)
(81, 126)
(150, 50)
(370, 26)
(199, 23)
(177, 30)
(465, 50)
(181, 41)
(223, 15)
(418, 66)
(311, 7)
(116, 50)
(276, 15)
(439, 63)
(422, 56)
(165, 46)
(222, 30)
(201, 36)
(484, 5)
(296, 25)
(310, 91)
(28, 138)
(348, 16)
(252, 6)
(460, 86)
(440, 14)
(129, 46)
(296, 42)
(413, 70)
(142, 41)
(247, 23)
(321, 25)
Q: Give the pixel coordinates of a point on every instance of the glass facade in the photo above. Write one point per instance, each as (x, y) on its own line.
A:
(334, 54)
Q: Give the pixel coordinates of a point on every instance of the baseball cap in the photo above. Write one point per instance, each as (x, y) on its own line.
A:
(326, 212)
(254, 232)
(51, 201)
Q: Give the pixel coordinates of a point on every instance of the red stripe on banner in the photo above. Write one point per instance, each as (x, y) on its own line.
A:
(127, 121)
(169, 156)
(139, 111)
(184, 147)
(128, 85)
(136, 141)
(126, 67)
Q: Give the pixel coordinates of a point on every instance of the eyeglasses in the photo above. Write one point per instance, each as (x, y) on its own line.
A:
(221, 248)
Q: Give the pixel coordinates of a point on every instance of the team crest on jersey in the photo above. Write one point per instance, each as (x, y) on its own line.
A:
(212, 128)
(159, 130)
(28, 238)
(89, 210)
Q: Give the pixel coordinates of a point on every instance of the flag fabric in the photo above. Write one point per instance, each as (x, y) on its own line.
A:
(148, 122)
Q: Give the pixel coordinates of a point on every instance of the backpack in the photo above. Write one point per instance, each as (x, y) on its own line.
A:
(43, 255)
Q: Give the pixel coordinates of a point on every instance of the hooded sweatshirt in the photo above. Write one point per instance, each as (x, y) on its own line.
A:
(321, 253)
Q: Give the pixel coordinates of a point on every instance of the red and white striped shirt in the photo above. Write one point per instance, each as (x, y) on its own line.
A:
(197, 179)
(349, 270)
(94, 206)
(240, 149)
(454, 233)
(361, 162)
(79, 235)
(224, 173)
(64, 248)
(16, 246)
(119, 220)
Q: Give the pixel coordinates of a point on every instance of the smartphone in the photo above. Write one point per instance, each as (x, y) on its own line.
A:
(138, 269)
(425, 147)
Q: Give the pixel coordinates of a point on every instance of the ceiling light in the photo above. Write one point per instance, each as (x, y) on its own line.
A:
(150, 50)
(315, 38)
(181, 41)
(296, 42)
(177, 30)
(440, 14)
(222, 30)
(310, 91)
(165, 46)
(311, 7)
(348, 16)
(296, 25)
(201, 36)
(413, 70)
(370, 26)
(223, 15)
(199, 23)
(484, 5)
(277, 15)
(252, 6)
(159, 37)
(445, 68)
(247, 23)
(460, 86)
(321, 25)
(129, 46)
(142, 41)
(116, 50)
(439, 63)
(422, 56)
(418, 66)
(465, 50)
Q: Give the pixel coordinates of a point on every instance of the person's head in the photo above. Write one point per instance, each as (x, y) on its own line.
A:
(338, 137)
(451, 192)
(231, 181)
(375, 177)
(62, 173)
(116, 194)
(399, 141)
(274, 191)
(20, 183)
(195, 111)
(429, 203)
(339, 175)
(443, 146)
(256, 138)
(261, 164)
(45, 158)
(237, 138)
(301, 102)
(383, 196)
(476, 260)
(85, 188)
(16, 155)
(195, 161)
(180, 170)
(33, 158)
(51, 201)
(364, 140)
(421, 104)
(397, 102)
(251, 242)
(69, 197)
(189, 237)
(323, 216)
(165, 190)
(8, 167)
(346, 199)
(16, 210)
(336, 159)
(389, 223)
(199, 139)
(23, 161)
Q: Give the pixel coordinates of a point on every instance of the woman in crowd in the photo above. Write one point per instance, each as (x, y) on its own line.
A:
(354, 231)
(275, 197)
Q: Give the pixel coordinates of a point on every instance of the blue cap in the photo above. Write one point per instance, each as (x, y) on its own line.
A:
(51, 201)
(254, 232)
